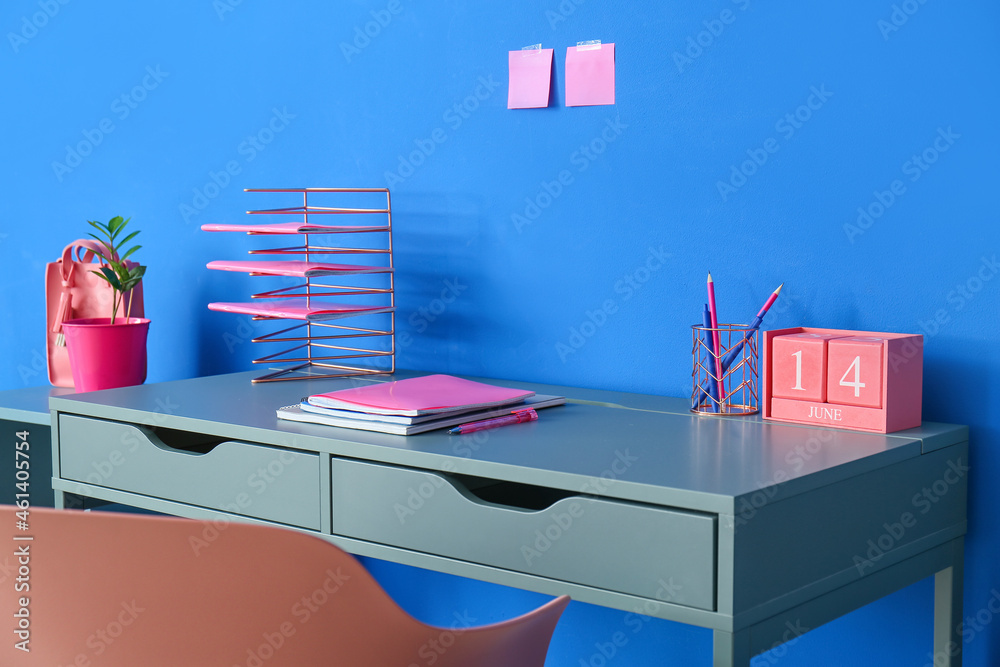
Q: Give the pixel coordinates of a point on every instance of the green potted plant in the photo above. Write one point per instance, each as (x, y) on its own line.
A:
(108, 352)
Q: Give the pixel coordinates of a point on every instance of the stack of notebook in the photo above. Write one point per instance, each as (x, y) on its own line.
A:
(406, 407)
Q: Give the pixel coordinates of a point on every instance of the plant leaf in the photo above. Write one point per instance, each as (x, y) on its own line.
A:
(114, 226)
(109, 276)
(113, 270)
(101, 252)
(128, 238)
(121, 227)
(120, 271)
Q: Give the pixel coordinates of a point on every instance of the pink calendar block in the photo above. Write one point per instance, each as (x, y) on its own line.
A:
(854, 371)
(799, 366)
(898, 384)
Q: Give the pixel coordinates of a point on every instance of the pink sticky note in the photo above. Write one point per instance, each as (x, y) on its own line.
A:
(530, 73)
(590, 75)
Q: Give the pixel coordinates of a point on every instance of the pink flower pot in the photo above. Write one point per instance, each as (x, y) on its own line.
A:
(104, 355)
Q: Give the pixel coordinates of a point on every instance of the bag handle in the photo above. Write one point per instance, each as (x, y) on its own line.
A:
(85, 252)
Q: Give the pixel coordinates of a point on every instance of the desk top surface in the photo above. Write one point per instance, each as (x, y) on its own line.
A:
(630, 446)
(30, 404)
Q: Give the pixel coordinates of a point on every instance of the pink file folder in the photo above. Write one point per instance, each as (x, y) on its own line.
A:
(296, 309)
(420, 396)
(290, 228)
(590, 75)
(530, 77)
(296, 268)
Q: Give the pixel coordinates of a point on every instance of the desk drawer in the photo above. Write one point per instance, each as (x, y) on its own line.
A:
(250, 479)
(621, 546)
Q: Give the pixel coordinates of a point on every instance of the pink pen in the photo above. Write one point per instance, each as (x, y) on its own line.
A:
(715, 339)
(517, 417)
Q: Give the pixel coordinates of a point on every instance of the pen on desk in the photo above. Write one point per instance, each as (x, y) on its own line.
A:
(517, 417)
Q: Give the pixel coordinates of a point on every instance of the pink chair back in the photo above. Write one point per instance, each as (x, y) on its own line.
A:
(118, 590)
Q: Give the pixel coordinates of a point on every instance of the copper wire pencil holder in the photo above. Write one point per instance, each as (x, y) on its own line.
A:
(740, 380)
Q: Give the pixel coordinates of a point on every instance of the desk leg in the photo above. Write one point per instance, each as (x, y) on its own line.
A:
(68, 501)
(730, 649)
(948, 611)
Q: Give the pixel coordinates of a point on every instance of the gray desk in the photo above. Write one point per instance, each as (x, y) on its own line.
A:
(754, 529)
(27, 410)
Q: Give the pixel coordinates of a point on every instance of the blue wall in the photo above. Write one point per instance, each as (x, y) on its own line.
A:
(842, 99)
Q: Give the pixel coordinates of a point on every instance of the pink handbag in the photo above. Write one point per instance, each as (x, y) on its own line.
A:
(73, 292)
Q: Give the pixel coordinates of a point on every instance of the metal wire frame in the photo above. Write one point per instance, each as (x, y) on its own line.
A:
(281, 292)
(298, 250)
(316, 362)
(315, 210)
(354, 229)
(357, 332)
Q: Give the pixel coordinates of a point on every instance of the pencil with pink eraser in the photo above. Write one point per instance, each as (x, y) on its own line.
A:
(716, 345)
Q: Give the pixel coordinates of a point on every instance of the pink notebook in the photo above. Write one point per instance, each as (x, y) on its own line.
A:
(290, 228)
(295, 268)
(295, 309)
(420, 396)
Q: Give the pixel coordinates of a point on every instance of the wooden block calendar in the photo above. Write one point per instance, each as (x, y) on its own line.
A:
(861, 380)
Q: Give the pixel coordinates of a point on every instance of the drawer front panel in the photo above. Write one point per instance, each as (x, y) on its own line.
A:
(254, 480)
(626, 547)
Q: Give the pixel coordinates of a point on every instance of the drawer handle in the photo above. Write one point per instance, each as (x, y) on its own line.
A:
(179, 442)
(507, 495)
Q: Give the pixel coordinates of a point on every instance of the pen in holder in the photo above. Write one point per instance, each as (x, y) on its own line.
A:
(738, 359)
